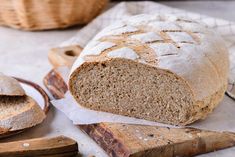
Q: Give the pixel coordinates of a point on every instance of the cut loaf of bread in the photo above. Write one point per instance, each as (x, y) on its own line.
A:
(156, 67)
(10, 86)
(19, 112)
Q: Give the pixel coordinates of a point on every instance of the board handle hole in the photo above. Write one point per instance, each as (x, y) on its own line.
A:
(70, 53)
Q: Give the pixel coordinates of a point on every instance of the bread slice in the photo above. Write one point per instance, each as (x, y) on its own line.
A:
(10, 86)
(19, 112)
(157, 67)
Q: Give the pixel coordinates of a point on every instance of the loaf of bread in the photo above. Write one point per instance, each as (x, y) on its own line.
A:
(17, 110)
(156, 67)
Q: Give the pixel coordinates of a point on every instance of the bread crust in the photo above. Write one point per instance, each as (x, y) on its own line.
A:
(207, 105)
(30, 116)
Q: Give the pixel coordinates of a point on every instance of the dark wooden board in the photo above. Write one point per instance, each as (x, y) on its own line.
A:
(56, 146)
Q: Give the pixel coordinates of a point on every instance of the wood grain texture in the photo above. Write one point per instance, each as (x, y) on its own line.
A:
(124, 140)
(57, 146)
(55, 84)
(64, 56)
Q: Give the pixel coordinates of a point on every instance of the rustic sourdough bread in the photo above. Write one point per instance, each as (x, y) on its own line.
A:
(17, 110)
(156, 67)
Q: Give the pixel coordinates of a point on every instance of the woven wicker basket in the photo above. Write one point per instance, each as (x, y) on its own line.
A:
(48, 14)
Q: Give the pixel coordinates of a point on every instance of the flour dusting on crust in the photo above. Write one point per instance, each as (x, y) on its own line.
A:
(124, 52)
(180, 37)
(162, 49)
(98, 48)
(162, 25)
(147, 37)
(141, 19)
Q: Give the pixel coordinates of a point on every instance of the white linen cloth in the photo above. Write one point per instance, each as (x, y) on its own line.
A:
(222, 119)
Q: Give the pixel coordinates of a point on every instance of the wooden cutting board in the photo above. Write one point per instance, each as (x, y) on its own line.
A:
(60, 146)
(124, 140)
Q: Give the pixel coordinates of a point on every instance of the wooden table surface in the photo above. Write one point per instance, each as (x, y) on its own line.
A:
(24, 54)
